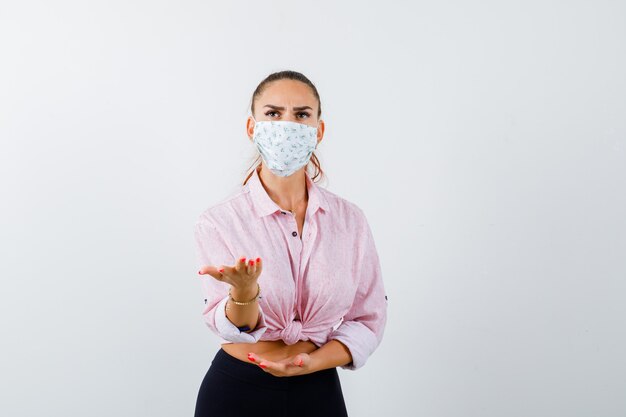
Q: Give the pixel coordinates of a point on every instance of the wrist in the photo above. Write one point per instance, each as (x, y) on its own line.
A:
(245, 293)
(316, 363)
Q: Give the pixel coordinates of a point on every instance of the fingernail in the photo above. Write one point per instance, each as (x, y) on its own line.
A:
(222, 270)
(250, 357)
(263, 365)
(199, 272)
(251, 262)
(258, 259)
(242, 259)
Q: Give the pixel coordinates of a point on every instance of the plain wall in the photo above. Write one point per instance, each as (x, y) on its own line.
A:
(485, 141)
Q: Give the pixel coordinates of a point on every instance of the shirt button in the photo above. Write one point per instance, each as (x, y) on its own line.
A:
(294, 233)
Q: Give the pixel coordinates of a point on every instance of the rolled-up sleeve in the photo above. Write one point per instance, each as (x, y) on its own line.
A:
(364, 324)
(213, 250)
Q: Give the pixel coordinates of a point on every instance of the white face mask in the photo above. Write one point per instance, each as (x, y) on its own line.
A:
(285, 146)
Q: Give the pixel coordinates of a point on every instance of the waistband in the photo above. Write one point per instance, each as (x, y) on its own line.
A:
(249, 373)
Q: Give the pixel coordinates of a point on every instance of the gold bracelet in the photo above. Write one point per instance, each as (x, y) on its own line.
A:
(239, 303)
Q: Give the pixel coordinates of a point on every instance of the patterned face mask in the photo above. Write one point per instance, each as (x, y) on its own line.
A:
(285, 146)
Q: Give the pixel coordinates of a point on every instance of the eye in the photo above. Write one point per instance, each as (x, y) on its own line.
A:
(304, 113)
(270, 111)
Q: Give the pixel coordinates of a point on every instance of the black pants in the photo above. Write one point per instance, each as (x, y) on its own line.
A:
(235, 388)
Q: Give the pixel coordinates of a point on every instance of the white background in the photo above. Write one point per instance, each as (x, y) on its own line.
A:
(485, 141)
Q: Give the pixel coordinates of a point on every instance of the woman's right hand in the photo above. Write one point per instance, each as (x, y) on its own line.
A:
(242, 276)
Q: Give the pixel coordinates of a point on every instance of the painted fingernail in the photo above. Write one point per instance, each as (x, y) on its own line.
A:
(258, 259)
(242, 259)
(199, 272)
(263, 365)
(251, 262)
(222, 270)
(250, 357)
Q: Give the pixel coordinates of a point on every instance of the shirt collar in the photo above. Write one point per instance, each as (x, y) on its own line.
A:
(264, 205)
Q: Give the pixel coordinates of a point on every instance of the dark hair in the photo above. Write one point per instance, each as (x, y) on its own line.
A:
(286, 75)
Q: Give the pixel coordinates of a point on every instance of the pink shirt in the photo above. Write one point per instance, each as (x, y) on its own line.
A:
(327, 285)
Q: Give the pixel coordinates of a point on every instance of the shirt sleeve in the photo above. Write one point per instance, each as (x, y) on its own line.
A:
(212, 250)
(364, 324)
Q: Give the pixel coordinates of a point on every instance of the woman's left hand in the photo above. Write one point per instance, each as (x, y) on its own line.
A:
(299, 364)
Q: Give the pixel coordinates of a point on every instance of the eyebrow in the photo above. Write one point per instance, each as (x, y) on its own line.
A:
(282, 108)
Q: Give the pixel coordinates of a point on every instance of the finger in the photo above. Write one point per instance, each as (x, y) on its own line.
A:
(297, 361)
(227, 271)
(240, 266)
(258, 265)
(204, 269)
(212, 271)
(251, 267)
(272, 366)
(258, 360)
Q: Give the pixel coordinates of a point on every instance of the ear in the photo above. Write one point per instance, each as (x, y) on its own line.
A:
(320, 131)
(250, 128)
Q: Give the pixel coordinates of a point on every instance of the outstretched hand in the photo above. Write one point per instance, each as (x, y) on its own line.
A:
(299, 364)
(240, 275)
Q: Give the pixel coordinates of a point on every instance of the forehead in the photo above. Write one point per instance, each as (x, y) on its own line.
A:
(287, 93)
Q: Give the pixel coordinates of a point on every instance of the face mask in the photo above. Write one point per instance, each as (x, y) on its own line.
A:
(285, 146)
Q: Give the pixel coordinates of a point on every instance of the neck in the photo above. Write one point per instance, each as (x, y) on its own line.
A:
(290, 193)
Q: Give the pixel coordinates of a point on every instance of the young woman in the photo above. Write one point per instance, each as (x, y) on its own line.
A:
(290, 274)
